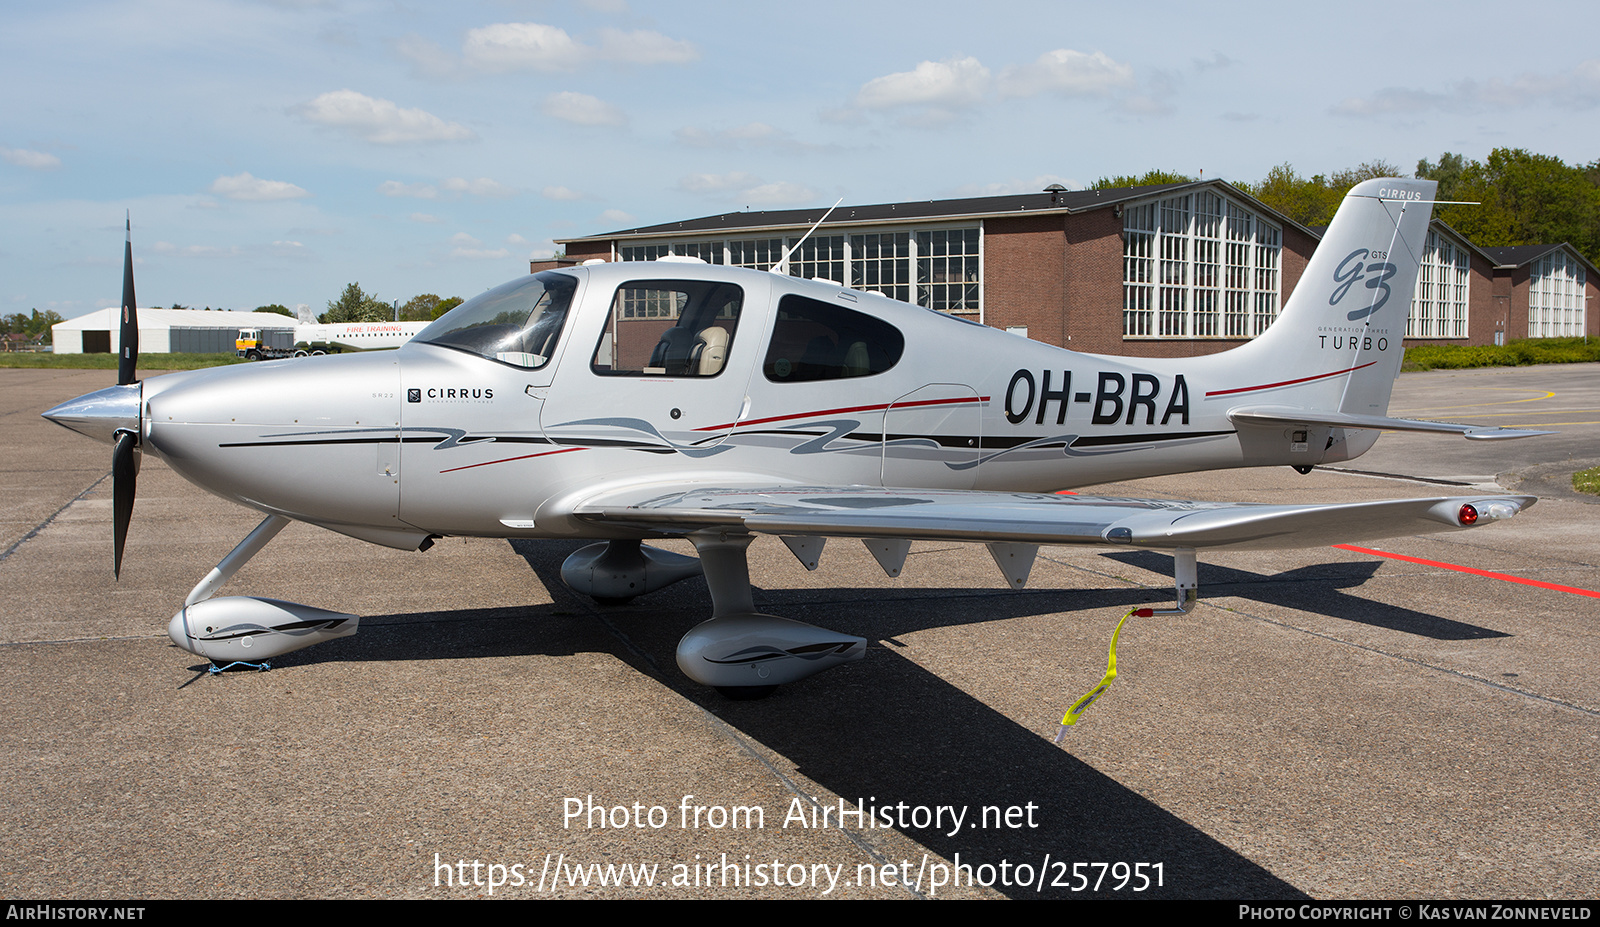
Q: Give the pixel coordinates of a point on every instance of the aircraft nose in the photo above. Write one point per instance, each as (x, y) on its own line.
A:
(101, 414)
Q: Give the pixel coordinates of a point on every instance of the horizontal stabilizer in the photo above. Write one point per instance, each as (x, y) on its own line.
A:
(1283, 415)
(1028, 518)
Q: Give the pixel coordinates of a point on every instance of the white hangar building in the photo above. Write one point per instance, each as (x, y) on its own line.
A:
(163, 331)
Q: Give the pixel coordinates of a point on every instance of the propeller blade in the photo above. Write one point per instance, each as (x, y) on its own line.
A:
(124, 478)
(130, 315)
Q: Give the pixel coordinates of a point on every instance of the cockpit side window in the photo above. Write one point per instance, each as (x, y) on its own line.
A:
(516, 323)
(813, 340)
(669, 328)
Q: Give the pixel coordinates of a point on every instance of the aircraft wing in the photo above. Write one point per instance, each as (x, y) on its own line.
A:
(1284, 415)
(1029, 518)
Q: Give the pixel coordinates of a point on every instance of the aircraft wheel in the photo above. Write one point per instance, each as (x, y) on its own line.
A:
(745, 693)
(1298, 468)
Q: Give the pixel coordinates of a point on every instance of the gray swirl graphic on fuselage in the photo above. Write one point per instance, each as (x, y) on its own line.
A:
(644, 427)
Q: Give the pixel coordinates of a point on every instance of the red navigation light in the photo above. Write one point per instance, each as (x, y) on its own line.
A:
(1469, 515)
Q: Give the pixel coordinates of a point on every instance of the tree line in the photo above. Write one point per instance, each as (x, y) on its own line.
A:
(35, 328)
(356, 305)
(1521, 198)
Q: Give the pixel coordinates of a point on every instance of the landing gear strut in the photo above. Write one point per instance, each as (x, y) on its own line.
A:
(741, 652)
(245, 629)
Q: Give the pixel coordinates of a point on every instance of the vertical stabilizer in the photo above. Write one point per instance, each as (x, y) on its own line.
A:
(1338, 344)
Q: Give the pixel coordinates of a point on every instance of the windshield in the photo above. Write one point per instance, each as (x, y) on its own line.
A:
(515, 323)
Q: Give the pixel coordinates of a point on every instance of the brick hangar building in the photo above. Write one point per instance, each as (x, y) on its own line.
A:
(1157, 271)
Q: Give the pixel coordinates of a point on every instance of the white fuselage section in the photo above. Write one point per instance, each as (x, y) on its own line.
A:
(436, 440)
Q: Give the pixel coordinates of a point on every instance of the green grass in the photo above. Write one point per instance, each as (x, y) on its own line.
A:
(109, 361)
(1515, 354)
(1587, 481)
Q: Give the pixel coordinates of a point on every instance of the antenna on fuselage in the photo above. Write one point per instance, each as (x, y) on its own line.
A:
(784, 261)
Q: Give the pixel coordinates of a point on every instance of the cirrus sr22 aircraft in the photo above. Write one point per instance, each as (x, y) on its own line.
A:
(626, 402)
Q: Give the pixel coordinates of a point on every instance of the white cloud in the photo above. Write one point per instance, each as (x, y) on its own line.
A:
(582, 109)
(483, 186)
(751, 135)
(747, 188)
(782, 193)
(195, 251)
(956, 82)
(1577, 87)
(516, 46)
(1068, 73)
(643, 47)
(480, 254)
(37, 160)
(379, 121)
(469, 248)
(560, 194)
(289, 249)
(515, 239)
(425, 218)
(617, 217)
(718, 183)
(538, 47)
(1393, 100)
(421, 191)
(254, 189)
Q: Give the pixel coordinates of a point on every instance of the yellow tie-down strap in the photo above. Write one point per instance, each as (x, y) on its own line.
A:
(1082, 705)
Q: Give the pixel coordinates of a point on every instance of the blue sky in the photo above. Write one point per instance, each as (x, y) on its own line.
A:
(272, 151)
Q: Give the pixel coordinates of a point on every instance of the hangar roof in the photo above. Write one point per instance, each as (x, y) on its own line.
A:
(1065, 202)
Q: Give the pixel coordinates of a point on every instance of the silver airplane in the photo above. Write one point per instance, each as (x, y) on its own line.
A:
(625, 402)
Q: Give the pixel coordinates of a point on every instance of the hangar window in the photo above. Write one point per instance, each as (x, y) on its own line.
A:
(1439, 305)
(1197, 265)
(813, 340)
(934, 268)
(759, 253)
(669, 328)
(947, 270)
(1555, 296)
(881, 262)
(708, 251)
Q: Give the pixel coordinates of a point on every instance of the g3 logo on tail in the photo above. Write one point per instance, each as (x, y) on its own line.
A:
(1354, 268)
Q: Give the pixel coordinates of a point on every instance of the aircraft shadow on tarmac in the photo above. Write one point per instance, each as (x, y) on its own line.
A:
(1318, 589)
(884, 730)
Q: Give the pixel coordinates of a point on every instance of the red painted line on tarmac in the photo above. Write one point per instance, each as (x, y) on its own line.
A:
(1474, 571)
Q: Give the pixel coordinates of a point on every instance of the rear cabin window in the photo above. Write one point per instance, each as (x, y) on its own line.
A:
(669, 328)
(813, 340)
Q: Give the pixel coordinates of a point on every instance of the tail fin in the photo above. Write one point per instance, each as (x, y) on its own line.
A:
(1338, 341)
(1332, 356)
